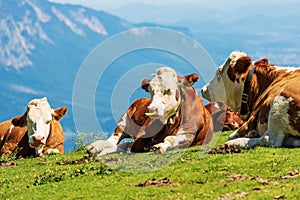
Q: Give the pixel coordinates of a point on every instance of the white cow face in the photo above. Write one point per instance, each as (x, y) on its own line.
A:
(38, 117)
(165, 94)
(228, 84)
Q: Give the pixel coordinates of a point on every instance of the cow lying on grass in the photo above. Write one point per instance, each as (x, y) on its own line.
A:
(174, 116)
(37, 132)
(224, 118)
(268, 97)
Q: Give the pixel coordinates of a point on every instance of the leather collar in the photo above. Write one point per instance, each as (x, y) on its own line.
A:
(244, 106)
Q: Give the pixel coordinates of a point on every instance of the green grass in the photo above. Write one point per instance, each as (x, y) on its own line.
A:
(261, 173)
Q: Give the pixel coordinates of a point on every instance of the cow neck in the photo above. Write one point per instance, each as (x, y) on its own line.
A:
(245, 95)
(171, 120)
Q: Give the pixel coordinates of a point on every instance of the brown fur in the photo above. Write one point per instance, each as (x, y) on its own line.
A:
(267, 83)
(192, 115)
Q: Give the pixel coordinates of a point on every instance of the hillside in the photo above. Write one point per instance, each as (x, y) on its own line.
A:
(262, 173)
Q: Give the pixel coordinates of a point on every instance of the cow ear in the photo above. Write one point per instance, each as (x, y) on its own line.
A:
(145, 84)
(242, 65)
(192, 78)
(20, 120)
(264, 61)
(188, 80)
(60, 112)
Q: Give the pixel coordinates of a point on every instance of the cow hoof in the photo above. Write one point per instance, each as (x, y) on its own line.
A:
(91, 150)
(101, 147)
(241, 143)
(95, 147)
(158, 149)
(52, 152)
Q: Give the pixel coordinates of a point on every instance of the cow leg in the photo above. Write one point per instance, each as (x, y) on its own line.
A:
(123, 147)
(291, 141)
(278, 126)
(182, 140)
(279, 122)
(102, 147)
(246, 130)
(52, 151)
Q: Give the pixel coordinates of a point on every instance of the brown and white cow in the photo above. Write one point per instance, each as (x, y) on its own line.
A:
(224, 118)
(35, 133)
(268, 97)
(174, 116)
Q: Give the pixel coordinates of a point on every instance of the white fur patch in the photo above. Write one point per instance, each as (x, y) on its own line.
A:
(279, 117)
(234, 56)
(52, 151)
(11, 128)
(123, 121)
(286, 69)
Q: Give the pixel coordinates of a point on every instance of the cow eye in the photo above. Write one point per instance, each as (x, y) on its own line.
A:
(167, 92)
(219, 74)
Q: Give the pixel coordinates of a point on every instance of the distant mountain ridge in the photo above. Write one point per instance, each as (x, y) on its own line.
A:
(261, 28)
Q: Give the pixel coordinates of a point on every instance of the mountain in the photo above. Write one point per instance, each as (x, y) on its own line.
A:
(262, 29)
(43, 46)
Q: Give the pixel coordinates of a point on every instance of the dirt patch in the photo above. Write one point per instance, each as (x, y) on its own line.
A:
(291, 174)
(157, 182)
(8, 164)
(225, 149)
(237, 177)
(244, 177)
(112, 159)
(230, 196)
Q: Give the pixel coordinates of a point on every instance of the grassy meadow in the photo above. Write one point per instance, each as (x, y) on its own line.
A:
(261, 173)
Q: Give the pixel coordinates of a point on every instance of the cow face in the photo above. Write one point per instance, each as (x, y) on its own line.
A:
(228, 84)
(38, 118)
(232, 120)
(165, 94)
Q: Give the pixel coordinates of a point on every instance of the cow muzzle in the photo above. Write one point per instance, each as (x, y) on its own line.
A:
(205, 93)
(154, 112)
(37, 141)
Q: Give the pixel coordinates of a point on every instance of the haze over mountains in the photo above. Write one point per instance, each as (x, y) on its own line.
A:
(262, 29)
(43, 45)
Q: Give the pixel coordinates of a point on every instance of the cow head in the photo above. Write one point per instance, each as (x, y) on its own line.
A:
(232, 120)
(38, 118)
(228, 84)
(164, 89)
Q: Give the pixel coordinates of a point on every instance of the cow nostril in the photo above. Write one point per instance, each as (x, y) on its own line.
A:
(152, 110)
(38, 138)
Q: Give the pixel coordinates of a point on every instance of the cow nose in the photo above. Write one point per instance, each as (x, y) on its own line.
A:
(38, 138)
(205, 93)
(152, 110)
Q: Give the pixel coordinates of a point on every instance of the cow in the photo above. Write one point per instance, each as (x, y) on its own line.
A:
(267, 96)
(35, 133)
(224, 118)
(174, 116)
